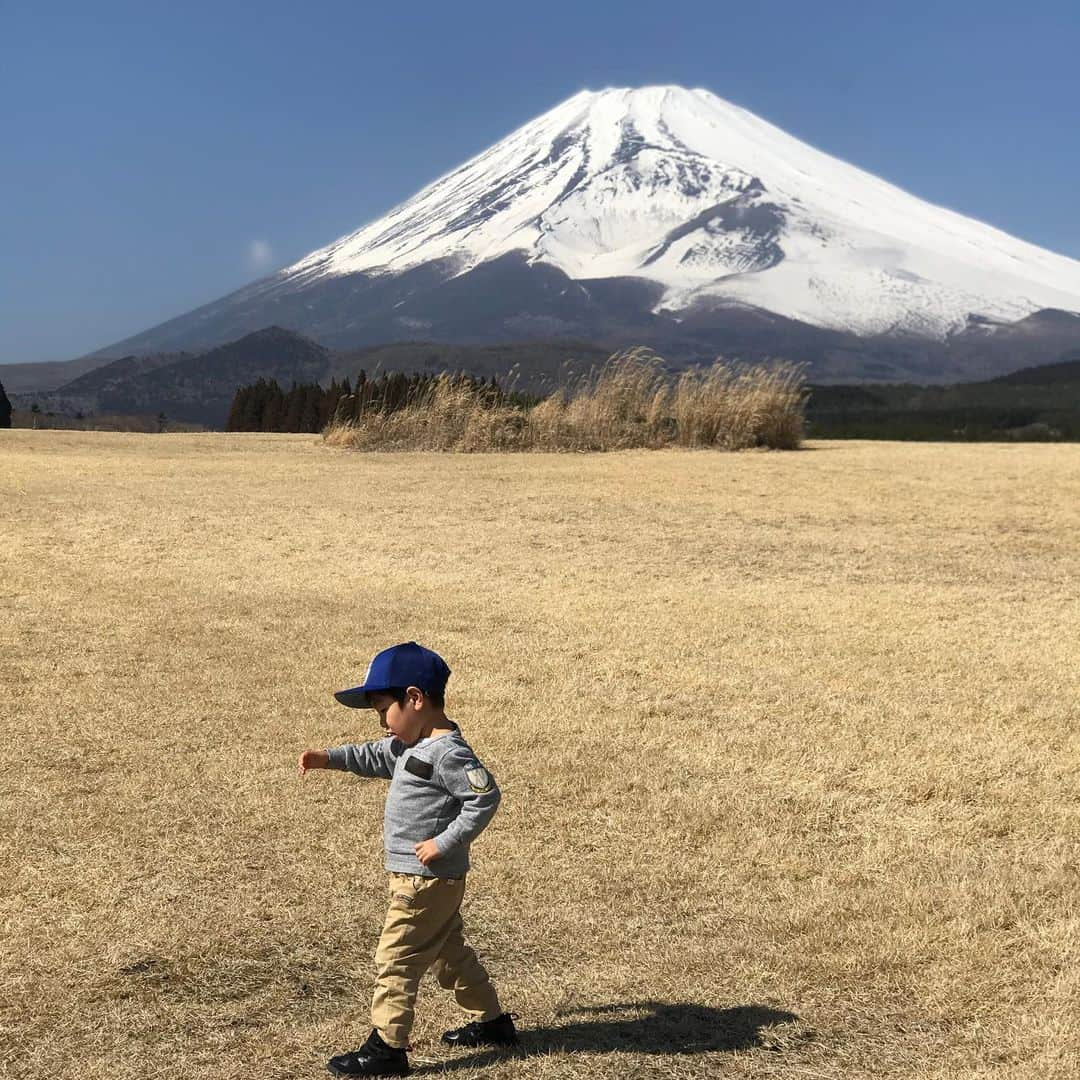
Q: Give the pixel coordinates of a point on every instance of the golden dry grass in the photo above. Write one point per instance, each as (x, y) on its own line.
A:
(788, 744)
(629, 403)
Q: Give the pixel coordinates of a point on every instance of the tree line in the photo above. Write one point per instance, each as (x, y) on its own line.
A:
(265, 406)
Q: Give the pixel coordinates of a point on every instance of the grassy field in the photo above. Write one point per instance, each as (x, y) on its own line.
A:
(789, 747)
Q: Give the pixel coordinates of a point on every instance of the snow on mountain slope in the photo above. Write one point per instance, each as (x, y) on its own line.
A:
(682, 188)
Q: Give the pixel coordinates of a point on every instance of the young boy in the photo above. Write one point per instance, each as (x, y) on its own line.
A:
(440, 799)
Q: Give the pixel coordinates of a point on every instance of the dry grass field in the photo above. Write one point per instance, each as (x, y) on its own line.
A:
(788, 745)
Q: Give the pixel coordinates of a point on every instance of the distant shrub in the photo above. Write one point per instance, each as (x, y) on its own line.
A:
(629, 402)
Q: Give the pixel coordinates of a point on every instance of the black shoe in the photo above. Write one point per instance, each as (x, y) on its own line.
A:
(497, 1032)
(374, 1058)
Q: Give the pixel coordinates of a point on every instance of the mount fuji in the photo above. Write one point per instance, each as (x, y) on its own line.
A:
(671, 218)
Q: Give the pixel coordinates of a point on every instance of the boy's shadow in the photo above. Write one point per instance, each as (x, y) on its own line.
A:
(641, 1027)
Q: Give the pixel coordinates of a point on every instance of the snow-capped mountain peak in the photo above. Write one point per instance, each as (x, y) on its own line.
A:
(684, 189)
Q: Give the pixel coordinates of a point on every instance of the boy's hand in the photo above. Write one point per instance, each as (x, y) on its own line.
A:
(313, 759)
(426, 852)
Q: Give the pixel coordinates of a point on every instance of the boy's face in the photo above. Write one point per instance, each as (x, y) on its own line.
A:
(402, 721)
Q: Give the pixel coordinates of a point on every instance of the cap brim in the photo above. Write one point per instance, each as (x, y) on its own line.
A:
(356, 698)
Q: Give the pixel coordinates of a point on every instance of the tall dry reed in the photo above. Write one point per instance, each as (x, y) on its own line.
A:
(736, 406)
(631, 402)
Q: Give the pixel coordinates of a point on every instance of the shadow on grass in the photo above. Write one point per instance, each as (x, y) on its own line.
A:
(638, 1027)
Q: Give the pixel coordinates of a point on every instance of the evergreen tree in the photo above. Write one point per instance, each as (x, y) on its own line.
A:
(236, 409)
(251, 417)
(274, 411)
(346, 409)
(5, 409)
(362, 392)
(312, 410)
(294, 409)
(328, 405)
(397, 392)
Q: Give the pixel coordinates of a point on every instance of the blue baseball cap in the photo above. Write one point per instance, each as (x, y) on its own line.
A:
(407, 664)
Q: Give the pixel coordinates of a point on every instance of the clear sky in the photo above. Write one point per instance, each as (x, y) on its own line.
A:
(158, 155)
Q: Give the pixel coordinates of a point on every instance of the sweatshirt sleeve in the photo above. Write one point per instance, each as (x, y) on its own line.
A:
(475, 791)
(373, 759)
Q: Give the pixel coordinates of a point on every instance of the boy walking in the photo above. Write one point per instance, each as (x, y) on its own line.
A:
(439, 801)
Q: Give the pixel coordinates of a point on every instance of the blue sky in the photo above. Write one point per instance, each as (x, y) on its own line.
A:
(157, 156)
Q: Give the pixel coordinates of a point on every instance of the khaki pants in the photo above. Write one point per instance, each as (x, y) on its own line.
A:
(423, 929)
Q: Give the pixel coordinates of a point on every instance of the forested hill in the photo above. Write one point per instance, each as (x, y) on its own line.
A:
(201, 387)
(1041, 403)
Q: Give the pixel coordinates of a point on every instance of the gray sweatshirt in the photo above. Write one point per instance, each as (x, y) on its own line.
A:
(438, 790)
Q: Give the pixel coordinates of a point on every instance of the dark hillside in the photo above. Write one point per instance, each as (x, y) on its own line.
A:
(1067, 372)
(109, 377)
(1034, 404)
(200, 388)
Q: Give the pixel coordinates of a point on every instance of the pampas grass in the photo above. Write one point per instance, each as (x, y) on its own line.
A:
(629, 403)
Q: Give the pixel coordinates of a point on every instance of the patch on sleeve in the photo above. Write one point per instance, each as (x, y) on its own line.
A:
(479, 778)
(419, 767)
